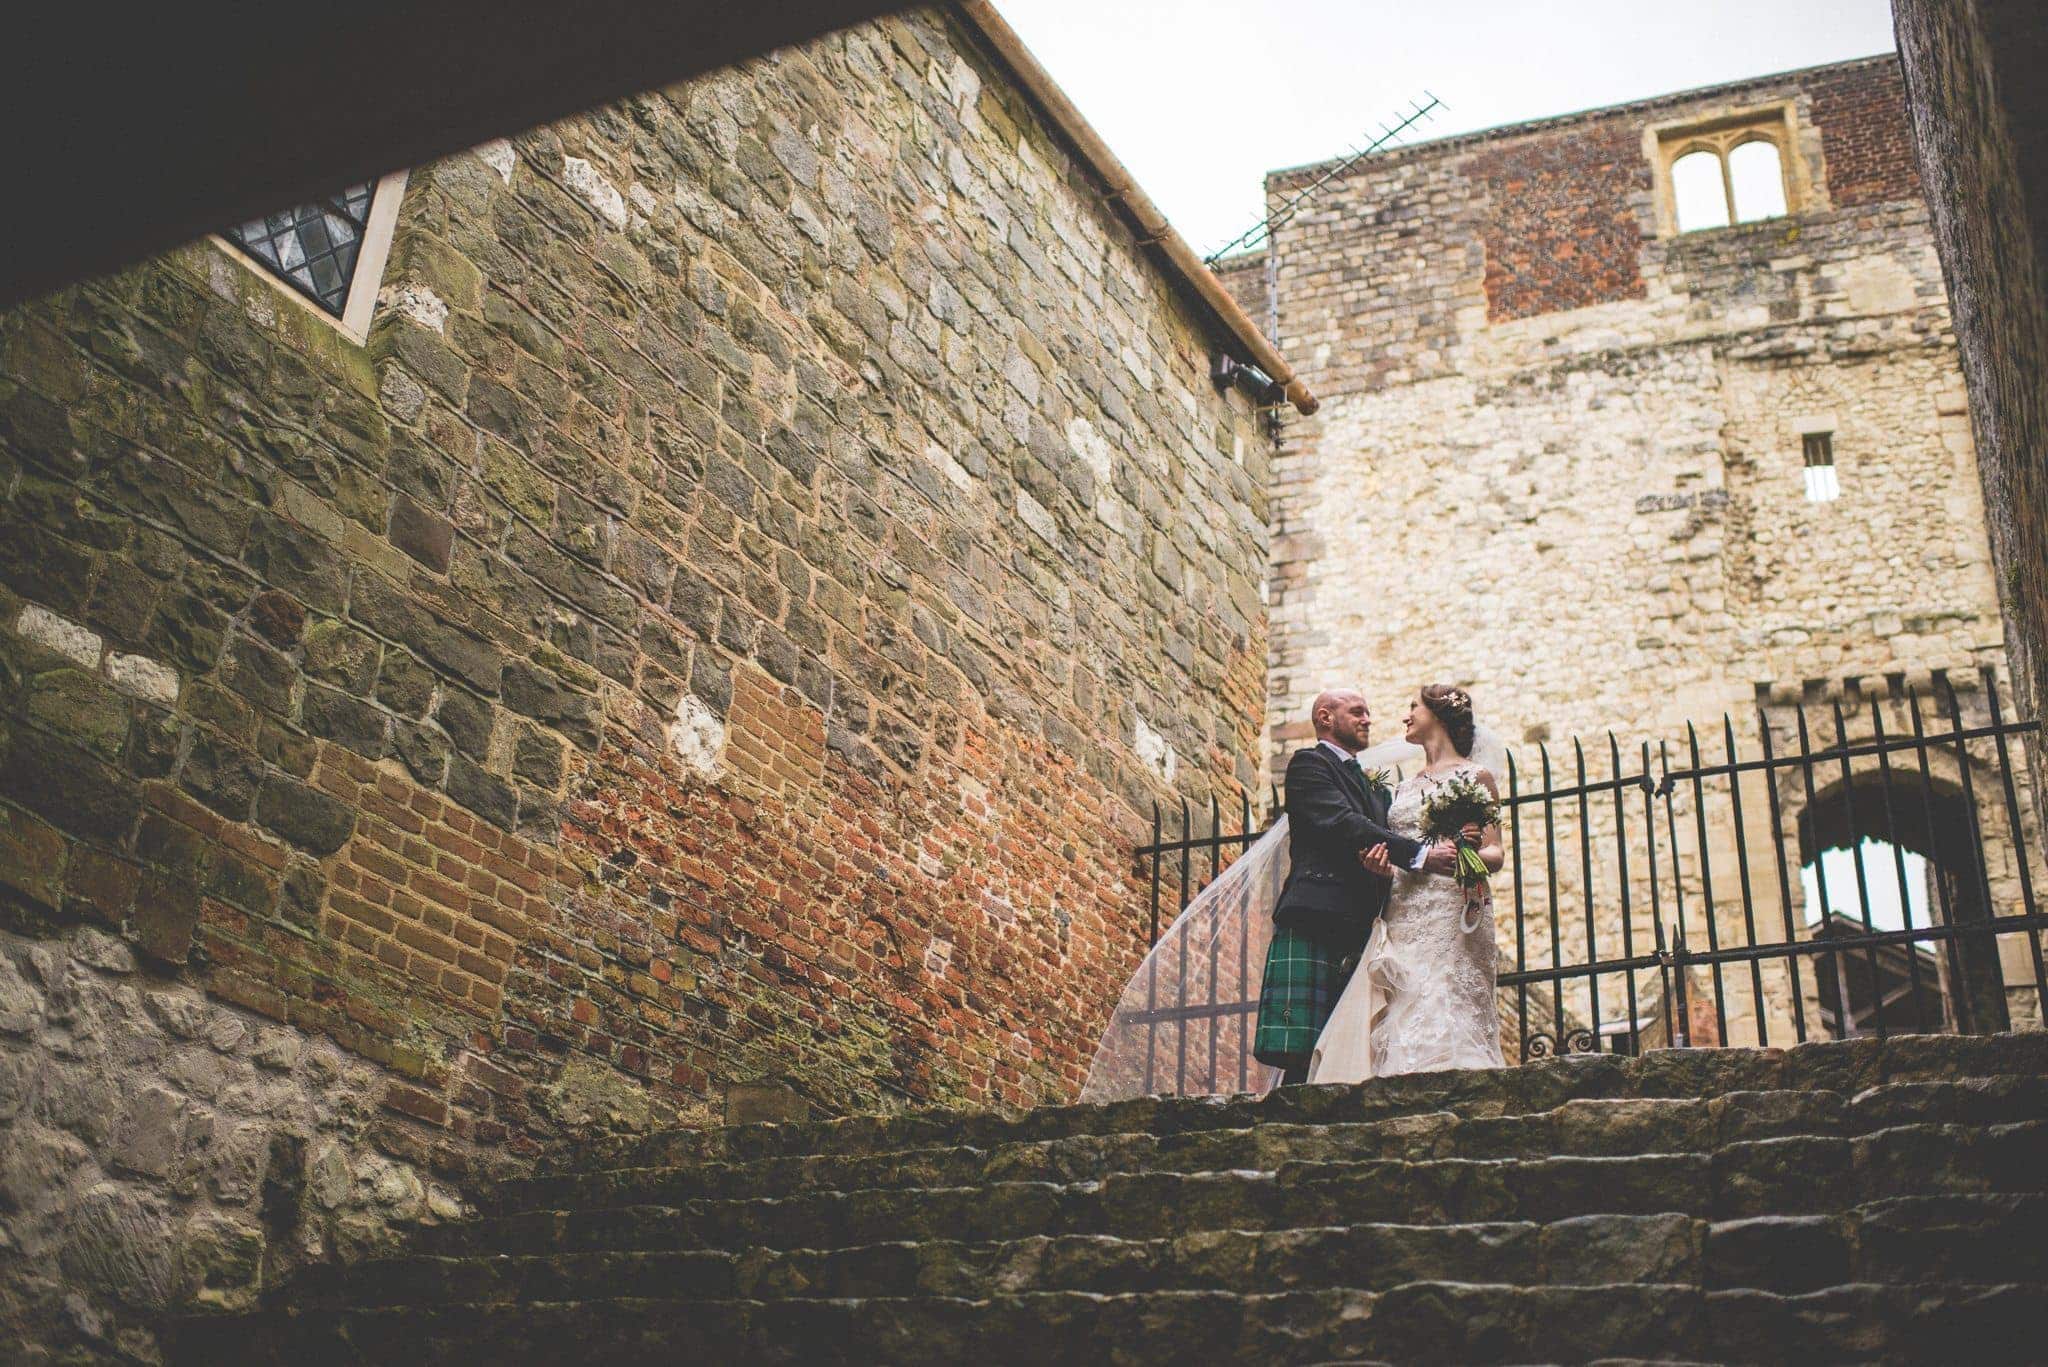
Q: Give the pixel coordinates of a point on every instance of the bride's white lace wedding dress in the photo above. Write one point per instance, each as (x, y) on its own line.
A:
(1423, 997)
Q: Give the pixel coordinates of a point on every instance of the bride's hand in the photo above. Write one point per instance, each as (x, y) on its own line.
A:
(1376, 861)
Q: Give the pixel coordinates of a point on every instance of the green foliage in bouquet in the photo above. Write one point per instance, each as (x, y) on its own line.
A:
(1455, 804)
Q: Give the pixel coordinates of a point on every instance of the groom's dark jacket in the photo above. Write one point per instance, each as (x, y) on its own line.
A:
(1332, 815)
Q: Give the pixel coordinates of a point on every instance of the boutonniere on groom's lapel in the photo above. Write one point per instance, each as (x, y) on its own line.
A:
(1376, 779)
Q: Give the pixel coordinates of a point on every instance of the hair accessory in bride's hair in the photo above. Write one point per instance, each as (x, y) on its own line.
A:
(1453, 707)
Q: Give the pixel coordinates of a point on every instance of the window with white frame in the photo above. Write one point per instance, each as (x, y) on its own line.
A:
(329, 254)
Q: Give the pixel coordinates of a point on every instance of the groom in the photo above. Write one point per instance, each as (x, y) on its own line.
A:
(1335, 814)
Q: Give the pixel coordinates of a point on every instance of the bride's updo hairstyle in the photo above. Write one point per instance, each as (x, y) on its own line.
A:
(1453, 707)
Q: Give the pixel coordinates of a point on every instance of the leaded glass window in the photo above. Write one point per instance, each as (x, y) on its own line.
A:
(313, 247)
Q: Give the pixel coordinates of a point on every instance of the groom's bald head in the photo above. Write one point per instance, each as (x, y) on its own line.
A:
(1341, 717)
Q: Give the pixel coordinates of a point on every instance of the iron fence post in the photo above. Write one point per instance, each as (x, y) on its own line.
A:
(1682, 1038)
(1987, 909)
(2015, 818)
(1777, 811)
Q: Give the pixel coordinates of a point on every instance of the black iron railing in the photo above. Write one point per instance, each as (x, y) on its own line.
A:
(1683, 898)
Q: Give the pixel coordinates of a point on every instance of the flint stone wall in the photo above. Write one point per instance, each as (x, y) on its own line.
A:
(711, 653)
(166, 1151)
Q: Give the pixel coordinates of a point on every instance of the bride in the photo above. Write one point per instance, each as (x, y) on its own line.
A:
(1423, 997)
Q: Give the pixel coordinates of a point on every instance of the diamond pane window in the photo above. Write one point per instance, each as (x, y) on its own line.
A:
(314, 247)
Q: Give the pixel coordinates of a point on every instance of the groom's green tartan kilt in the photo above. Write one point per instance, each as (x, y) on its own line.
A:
(1304, 978)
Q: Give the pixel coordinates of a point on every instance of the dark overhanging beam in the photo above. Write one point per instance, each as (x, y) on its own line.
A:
(133, 128)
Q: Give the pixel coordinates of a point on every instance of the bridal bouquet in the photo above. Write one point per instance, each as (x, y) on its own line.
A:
(1447, 811)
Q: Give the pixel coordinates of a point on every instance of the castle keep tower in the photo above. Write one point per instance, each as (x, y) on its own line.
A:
(1631, 418)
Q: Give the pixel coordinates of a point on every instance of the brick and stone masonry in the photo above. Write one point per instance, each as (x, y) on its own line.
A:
(713, 648)
(1559, 455)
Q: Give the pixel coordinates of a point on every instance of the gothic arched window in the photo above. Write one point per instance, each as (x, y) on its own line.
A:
(1699, 192)
(1756, 180)
(1733, 171)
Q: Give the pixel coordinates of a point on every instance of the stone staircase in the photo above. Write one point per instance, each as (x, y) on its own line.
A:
(1833, 1202)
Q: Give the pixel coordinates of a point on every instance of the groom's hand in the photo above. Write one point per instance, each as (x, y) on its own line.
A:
(1440, 858)
(1376, 861)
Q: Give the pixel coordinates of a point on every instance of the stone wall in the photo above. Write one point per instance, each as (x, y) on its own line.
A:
(718, 642)
(1559, 455)
(166, 1151)
(1980, 129)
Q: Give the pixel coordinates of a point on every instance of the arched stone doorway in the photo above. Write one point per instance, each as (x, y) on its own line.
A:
(1891, 852)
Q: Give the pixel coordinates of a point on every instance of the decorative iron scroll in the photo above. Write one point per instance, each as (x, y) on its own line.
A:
(1580, 1041)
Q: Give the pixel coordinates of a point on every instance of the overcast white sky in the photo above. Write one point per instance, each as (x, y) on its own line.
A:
(1200, 98)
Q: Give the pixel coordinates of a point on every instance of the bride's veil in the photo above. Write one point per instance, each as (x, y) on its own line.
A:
(1489, 752)
(1185, 1021)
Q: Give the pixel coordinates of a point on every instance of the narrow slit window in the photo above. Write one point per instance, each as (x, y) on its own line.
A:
(1822, 483)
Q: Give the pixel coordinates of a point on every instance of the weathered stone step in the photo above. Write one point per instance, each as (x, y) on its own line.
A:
(1976, 1239)
(1134, 1205)
(1763, 1177)
(1848, 1067)
(1834, 1202)
(1986, 1238)
(1592, 1127)
(1601, 1127)
(1590, 1249)
(1422, 1322)
(1281, 1328)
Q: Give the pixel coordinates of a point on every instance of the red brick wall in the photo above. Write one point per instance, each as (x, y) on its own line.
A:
(1560, 231)
(1861, 113)
(761, 928)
